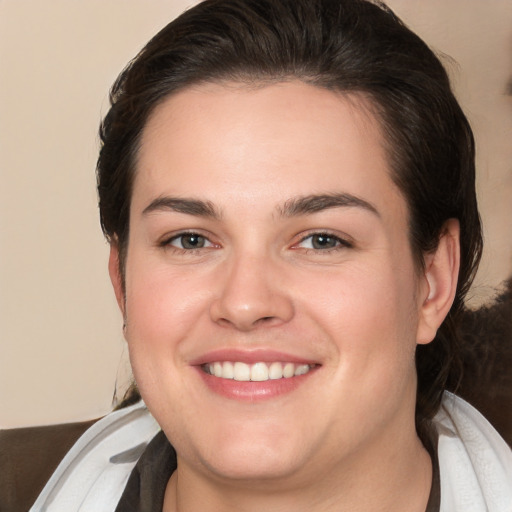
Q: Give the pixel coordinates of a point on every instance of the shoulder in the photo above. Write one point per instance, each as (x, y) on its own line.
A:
(475, 462)
(93, 474)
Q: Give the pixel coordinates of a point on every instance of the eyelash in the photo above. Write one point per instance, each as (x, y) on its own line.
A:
(167, 243)
(340, 243)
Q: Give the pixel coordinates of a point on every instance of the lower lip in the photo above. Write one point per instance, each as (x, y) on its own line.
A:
(251, 391)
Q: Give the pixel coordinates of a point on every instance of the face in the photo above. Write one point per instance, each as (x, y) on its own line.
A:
(272, 302)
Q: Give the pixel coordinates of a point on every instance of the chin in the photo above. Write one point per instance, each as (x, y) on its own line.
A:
(249, 452)
(253, 464)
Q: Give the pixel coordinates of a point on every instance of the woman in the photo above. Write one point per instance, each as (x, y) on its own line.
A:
(288, 192)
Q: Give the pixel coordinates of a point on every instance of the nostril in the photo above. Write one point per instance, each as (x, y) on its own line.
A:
(265, 320)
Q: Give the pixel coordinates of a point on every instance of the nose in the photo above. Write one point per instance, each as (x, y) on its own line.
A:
(251, 294)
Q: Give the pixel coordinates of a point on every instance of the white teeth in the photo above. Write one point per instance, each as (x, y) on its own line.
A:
(258, 372)
(302, 369)
(217, 369)
(288, 370)
(241, 371)
(275, 371)
(228, 371)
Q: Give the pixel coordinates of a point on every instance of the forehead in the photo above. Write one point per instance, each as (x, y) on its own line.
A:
(261, 143)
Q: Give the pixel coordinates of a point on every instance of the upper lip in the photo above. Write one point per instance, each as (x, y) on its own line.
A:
(252, 356)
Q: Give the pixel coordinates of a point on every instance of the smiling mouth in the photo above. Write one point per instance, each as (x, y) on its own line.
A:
(257, 372)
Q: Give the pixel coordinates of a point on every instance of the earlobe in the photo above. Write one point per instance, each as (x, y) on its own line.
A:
(440, 282)
(114, 271)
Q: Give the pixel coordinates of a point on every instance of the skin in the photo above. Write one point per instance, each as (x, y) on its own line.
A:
(355, 307)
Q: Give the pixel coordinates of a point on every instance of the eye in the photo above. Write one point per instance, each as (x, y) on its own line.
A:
(323, 241)
(189, 241)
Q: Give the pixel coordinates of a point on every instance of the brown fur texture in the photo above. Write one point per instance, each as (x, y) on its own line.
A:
(487, 360)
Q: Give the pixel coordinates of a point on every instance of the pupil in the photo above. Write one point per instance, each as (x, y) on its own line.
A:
(323, 242)
(192, 241)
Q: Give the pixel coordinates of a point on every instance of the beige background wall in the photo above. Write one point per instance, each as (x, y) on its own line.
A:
(61, 344)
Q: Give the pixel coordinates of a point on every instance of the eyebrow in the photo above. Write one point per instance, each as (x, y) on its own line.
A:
(293, 207)
(188, 206)
(315, 203)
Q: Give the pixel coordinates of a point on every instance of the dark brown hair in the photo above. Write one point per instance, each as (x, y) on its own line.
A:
(342, 45)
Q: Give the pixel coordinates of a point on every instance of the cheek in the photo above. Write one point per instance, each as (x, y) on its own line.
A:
(162, 309)
(370, 315)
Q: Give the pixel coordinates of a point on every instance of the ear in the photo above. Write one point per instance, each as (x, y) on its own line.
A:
(114, 271)
(439, 282)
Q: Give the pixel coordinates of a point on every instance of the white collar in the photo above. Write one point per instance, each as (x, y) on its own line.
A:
(475, 463)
